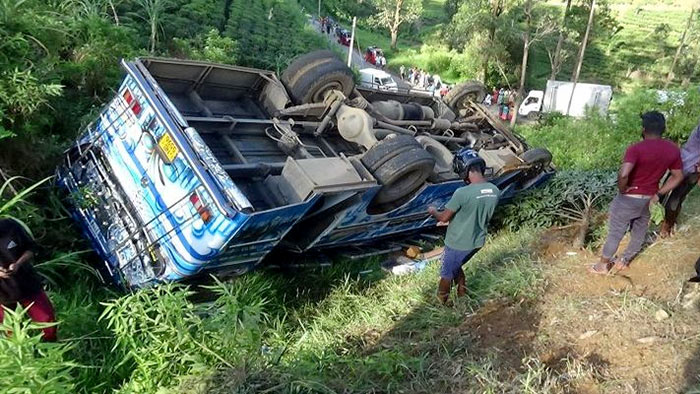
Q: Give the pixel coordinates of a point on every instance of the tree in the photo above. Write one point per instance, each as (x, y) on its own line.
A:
(392, 14)
(557, 58)
(537, 25)
(481, 23)
(581, 54)
(669, 77)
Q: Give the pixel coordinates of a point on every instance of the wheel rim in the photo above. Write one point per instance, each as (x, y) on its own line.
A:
(320, 93)
(466, 98)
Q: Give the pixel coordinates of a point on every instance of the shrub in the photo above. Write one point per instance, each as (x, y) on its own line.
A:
(548, 205)
(439, 62)
(597, 141)
(28, 365)
(163, 336)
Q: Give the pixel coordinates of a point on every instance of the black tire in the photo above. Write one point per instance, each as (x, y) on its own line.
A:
(388, 148)
(403, 174)
(307, 80)
(306, 59)
(537, 157)
(458, 98)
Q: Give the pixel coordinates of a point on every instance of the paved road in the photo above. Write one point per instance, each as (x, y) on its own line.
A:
(358, 59)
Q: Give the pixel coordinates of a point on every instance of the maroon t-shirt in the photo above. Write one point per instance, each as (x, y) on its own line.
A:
(651, 159)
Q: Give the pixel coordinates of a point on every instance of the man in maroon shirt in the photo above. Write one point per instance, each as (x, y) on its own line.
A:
(644, 164)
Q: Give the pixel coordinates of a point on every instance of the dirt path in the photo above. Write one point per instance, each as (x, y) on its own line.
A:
(634, 332)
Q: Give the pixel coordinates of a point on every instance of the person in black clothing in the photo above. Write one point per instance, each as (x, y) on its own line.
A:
(19, 282)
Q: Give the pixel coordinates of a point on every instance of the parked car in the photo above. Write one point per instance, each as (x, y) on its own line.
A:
(372, 54)
(344, 38)
(373, 78)
(196, 168)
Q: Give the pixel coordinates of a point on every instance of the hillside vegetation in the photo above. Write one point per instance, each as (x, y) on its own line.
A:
(635, 45)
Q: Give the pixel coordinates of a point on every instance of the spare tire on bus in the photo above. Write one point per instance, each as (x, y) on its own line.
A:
(309, 77)
(400, 165)
(459, 97)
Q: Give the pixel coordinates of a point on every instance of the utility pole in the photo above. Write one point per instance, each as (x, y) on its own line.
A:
(352, 41)
(577, 72)
(669, 77)
(319, 9)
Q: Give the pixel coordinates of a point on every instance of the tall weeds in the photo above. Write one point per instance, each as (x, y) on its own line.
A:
(28, 365)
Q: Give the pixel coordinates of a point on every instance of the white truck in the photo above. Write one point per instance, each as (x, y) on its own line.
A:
(558, 94)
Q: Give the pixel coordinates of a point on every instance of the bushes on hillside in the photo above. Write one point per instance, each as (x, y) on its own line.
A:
(450, 65)
(556, 202)
(598, 141)
(271, 33)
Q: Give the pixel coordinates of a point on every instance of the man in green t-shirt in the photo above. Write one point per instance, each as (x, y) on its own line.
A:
(468, 212)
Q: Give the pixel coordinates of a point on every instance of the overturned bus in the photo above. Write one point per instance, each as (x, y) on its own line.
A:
(197, 168)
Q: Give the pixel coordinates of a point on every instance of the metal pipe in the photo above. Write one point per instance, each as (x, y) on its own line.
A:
(409, 122)
(464, 125)
(229, 119)
(395, 128)
(251, 170)
(233, 149)
(197, 100)
(443, 138)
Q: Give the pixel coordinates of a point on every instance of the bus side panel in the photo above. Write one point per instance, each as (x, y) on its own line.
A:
(260, 234)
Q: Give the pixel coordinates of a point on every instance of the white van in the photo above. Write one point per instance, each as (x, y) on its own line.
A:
(373, 78)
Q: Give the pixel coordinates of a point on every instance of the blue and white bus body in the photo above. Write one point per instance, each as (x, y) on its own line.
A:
(158, 205)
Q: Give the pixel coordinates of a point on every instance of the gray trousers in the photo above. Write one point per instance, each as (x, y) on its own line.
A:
(627, 213)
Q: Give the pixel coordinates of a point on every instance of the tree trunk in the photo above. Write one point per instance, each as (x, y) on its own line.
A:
(581, 54)
(556, 64)
(395, 24)
(394, 38)
(523, 73)
(669, 77)
(153, 37)
(523, 64)
(496, 11)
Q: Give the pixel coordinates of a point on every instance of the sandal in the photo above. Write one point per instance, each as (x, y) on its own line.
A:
(595, 268)
(621, 265)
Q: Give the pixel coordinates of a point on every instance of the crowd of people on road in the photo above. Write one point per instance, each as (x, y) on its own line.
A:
(328, 25)
(504, 99)
(422, 79)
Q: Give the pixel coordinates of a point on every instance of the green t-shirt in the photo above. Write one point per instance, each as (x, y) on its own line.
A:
(473, 206)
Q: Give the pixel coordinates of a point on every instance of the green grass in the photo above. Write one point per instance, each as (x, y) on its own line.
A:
(340, 329)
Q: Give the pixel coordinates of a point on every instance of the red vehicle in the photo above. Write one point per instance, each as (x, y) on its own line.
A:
(344, 38)
(372, 54)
